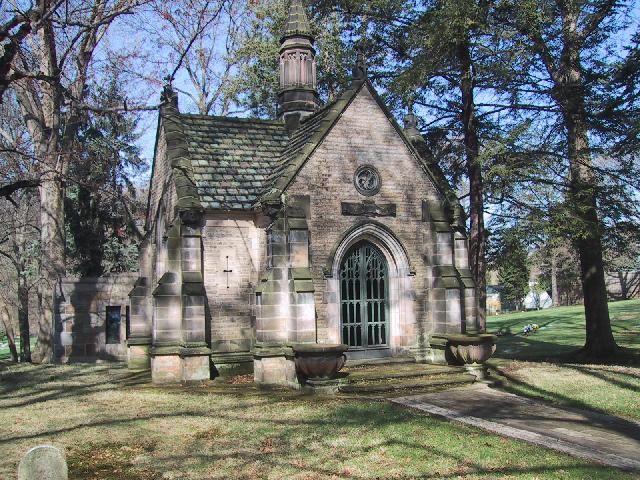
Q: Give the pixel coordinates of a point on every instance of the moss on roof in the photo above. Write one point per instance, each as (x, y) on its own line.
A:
(231, 158)
(240, 164)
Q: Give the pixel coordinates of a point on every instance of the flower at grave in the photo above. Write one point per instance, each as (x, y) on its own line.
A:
(530, 328)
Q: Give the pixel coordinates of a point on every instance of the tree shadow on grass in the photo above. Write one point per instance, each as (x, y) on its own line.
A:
(280, 449)
(37, 384)
(562, 334)
(523, 347)
(599, 374)
(322, 417)
(533, 348)
(592, 415)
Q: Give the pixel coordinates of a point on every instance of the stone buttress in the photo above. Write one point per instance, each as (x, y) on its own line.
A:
(168, 331)
(285, 305)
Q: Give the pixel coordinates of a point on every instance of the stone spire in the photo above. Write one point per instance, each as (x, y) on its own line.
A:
(168, 97)
(298, 97)
(297, 24)
(360, 67)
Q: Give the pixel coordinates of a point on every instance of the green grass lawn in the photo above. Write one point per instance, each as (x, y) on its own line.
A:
(5, 353)
(115, 425)
(542, 364)
(562, 331)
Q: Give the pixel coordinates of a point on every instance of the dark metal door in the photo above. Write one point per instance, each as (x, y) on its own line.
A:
(364, 298)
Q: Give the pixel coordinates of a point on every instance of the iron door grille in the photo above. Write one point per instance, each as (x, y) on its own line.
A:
(364, 298)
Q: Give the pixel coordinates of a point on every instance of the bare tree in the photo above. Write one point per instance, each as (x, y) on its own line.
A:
(19, 251)
(18, 220)
(6, 323)
(61, 48)
(198, 39)
(17, 22)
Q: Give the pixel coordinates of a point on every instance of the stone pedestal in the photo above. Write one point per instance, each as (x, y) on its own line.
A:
(436, 351)
(195, 368)
(195, 363)
(275, 365)
(166, 366)
(478, 370)
(325, 386)
(138, 354)
(180, 364)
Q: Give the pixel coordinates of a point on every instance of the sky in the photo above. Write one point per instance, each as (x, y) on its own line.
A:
(134, 37)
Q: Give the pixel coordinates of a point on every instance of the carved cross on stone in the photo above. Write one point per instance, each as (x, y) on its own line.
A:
(227, 271)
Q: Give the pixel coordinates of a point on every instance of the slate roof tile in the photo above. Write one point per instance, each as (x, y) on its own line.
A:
(231, 157)
(238, 163)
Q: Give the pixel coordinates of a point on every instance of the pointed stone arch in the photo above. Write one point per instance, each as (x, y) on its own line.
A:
(401, 296)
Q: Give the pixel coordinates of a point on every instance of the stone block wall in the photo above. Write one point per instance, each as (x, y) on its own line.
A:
(80, 319)
(163, 190)
(234, 253)
(364, 135)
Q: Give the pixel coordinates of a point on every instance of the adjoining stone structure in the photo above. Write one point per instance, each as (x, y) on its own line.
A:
(331, 224)
(91, 318)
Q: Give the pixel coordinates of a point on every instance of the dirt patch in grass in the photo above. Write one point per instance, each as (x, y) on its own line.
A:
(111, 462)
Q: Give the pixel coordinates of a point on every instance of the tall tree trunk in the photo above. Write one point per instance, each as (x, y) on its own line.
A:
(477, 237)
(52, 263)
(23, 320)
(555, 298)
(588, 238)
(8, 328)
(624, 286)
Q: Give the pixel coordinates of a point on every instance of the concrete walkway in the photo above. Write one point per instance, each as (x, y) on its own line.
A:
(604, 439)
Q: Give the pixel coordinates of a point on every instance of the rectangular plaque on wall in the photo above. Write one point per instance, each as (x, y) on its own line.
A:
(368, 209)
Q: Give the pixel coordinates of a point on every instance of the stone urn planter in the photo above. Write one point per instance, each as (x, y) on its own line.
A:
(319, 364)
(319, 360)
(473, 350)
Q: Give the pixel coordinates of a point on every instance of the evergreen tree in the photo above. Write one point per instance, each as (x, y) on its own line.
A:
(101, 200)
(509, 257)
(257, 83)
(445, 56)
(570, 76)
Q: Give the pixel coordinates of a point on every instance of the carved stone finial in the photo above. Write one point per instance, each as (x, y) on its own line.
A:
(298, 96)
(411, 128)
(297, 22)
(459, 216)
(410, 121)
(360, 68)
(169, 95)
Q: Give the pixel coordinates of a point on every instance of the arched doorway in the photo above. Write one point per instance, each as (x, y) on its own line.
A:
(364, 298)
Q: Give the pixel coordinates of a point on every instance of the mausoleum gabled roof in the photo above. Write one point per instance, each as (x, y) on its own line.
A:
(242, 164)
(313, 129)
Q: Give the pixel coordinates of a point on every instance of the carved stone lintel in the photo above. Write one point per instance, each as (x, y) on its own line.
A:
(368, 209)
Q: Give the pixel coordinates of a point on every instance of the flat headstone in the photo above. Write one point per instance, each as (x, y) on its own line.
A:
(44, 462)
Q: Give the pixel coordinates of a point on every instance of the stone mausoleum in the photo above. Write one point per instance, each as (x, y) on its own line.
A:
(329, 224)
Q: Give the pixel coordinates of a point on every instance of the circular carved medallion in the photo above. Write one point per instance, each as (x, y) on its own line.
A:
(367, 180)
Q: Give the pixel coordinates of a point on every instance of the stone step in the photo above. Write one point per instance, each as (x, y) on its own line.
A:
(396, 386)
(364, 376)
(380, 361)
